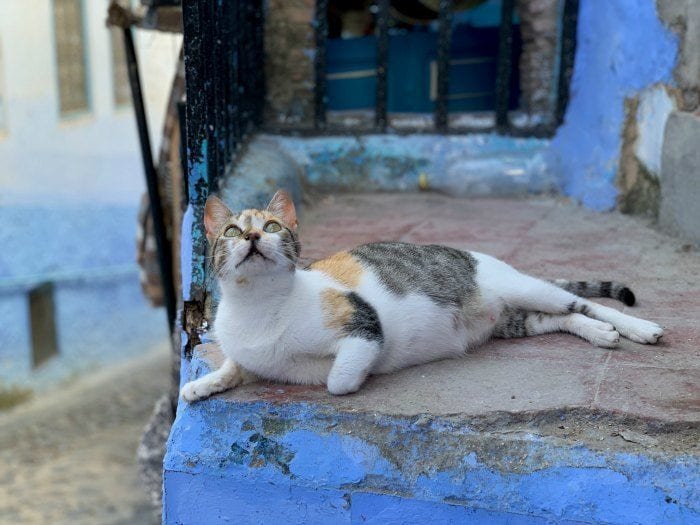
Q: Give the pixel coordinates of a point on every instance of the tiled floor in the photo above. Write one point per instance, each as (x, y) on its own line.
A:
(548, 238)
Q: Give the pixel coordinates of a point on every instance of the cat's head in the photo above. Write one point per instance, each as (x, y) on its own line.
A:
(252, 242)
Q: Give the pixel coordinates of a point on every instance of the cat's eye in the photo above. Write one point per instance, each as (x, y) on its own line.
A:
(232, 231)
(272, 227)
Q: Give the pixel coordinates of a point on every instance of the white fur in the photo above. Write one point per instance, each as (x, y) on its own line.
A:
(271, 323)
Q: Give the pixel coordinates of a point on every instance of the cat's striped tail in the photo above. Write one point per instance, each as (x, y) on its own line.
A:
(598, 289)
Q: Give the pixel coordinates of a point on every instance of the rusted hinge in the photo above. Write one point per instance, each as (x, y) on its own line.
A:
(194, 322)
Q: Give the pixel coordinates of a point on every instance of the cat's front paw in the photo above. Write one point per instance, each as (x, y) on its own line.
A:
(340, 386)
(199, 389)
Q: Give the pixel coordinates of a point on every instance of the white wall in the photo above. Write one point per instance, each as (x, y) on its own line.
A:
(69, 191)
(93, 157)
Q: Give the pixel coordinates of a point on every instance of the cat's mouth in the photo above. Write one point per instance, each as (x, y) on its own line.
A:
(252, 253)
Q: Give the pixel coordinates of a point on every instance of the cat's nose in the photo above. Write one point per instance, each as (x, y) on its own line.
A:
(251, 236)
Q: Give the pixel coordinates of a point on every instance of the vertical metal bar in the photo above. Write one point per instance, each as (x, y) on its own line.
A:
(227, 62)
(505, 52)
(235, 74)
(224, 59)
(209, 38)
(241, 70)
(219, 79)
(198, 155)
(259, 24)
(320, 95)
(251, 66)
(162, 242)
(566, 61)
(182, 119)
(380, 110)
(243, 59)
(443, 63)
(42, 318)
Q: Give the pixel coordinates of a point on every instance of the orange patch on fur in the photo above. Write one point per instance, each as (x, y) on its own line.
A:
(337, 310)
(342, 267)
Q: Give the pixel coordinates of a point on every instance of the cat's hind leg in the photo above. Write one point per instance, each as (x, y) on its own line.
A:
(515, 322)
(528, 293)
(531, 294)
(228, 376)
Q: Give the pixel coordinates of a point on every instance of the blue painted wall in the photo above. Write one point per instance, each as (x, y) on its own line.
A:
(622, 48)
(296, 462)
(99, 320)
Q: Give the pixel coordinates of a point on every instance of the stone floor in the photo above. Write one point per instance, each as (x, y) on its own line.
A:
(549, 238)
(546, 429)
(68, 456)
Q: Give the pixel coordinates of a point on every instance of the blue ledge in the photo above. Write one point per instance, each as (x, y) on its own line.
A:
(284, 454)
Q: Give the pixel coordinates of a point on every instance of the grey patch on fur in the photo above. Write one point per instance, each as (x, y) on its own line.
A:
(512, 323)
(364, 322)
(218, 255)
(290, 244)
(611, 289)
(576, 307)
(445, 275)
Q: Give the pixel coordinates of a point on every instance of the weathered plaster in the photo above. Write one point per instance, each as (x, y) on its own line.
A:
(639, 188)
(622, 48)
(683, 17)
(301, 462)
(480, 164)
(655, 106)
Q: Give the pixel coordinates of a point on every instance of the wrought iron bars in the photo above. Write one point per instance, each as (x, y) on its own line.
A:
(503, 69)
(443, 63)
(320, 94)
(566, 59)
(503, 76)
(380, 112)
(225, 97)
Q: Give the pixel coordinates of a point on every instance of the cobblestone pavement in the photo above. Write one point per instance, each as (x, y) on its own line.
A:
(68, 456)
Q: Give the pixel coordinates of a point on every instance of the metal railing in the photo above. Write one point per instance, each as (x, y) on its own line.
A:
(223, 51)
(504, 68)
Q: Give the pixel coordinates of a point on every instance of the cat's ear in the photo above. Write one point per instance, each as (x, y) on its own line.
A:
(216, 213)
(282, 206)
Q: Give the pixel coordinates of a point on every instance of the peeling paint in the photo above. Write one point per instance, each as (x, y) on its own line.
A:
(478, 164)
(655, 106)
(439, 463)
(222, 451)
(623, 48)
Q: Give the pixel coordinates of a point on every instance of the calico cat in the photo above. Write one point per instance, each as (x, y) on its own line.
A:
(377, 308)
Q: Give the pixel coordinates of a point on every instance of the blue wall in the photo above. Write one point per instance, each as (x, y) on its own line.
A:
(99, 319)
(622, 48)
(298, 462)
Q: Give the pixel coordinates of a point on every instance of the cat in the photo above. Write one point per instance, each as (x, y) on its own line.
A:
(377, 308)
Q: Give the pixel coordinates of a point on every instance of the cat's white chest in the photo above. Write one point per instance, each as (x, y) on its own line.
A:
(277, 340)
